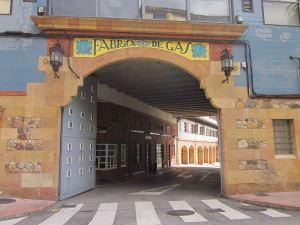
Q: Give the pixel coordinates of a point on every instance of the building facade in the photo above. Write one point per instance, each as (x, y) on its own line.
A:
(258, 107)
(197, 142)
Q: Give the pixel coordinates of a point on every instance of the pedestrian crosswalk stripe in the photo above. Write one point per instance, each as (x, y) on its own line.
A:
(183, 205)
(274, 213)
(146, 214)
(105, 215)
(62, 216)
(12, 221)
(229, 212)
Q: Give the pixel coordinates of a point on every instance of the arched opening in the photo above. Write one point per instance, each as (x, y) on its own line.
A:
(184, 155)
(206, 154)
(200, 155)
(211, 155)
(191, 155)
(136, 106)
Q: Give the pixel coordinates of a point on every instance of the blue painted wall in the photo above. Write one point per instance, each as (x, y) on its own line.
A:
(273, 71)
(19, 56)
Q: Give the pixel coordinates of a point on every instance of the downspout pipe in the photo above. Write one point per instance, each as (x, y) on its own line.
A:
(252, 93)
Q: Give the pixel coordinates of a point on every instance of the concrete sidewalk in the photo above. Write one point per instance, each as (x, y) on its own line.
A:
(281, 200)
(21, 207)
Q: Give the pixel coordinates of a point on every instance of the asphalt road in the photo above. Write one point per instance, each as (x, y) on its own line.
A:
(177, 196)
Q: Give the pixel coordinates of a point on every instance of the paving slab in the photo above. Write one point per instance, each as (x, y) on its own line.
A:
(282, 200)
(22, 207)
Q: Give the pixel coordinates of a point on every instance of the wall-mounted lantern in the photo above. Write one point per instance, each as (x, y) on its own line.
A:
(56, 58)
(227, 64)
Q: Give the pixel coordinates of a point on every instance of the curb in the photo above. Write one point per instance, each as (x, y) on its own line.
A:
(26, 214)
(264, 204)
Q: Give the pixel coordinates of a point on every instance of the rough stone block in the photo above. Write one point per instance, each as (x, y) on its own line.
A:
(259, 164)
(251, 144)
(250, 123)
(23, 167)
(16, 122)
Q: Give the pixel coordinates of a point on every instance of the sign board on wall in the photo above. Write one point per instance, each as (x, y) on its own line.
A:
(92, 47)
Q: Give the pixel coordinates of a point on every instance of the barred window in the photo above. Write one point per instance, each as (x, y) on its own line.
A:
(283, 141)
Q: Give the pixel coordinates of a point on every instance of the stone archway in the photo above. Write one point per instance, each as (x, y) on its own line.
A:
(184, 155)
(206, 154)
(43, 102)
(191, 154)
(200, 155)
(211, 155)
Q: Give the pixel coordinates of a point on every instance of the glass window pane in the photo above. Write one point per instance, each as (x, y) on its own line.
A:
(74, 8)
(281, 13)
(210, 10)
(165, 10)
(5, 6)
(120, 8)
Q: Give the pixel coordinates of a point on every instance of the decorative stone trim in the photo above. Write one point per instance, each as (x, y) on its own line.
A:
(250, 123)
(251, 144)
(260, 164)
(24, 145)
(267, 104)
(20, 122)
(23, 167)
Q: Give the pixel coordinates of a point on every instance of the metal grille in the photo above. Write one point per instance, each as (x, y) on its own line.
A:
(283, 137)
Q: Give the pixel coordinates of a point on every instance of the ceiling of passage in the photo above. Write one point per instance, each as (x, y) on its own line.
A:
(160, 85)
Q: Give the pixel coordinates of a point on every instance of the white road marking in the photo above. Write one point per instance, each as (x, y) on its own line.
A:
(12, 221)
(271, 212)
(155, 191)
(183, 205)
(105, 215)
(274, 213)
(206, 175)
(62, 216)
(146, 214)
(184, 176)
(230, 213)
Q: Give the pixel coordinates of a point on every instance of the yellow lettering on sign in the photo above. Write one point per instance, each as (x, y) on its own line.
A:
(88, 47)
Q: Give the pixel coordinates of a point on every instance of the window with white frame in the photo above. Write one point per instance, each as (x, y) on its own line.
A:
(81, 146)
(70, 124)
(92, 127)
(82, 115)
(69, 146)
(106, 156)
(80, 172)
(69, 160)
(247, 5)
(82, 95)
(80, 158)
(5, 7)
(70, 112)
(283, 139)
(92, 99)
(281, 12)
(123, 155)
(81, 126)
(91, 158)
(90, 169)
(92, 117)
(91, 146)
(69, 173)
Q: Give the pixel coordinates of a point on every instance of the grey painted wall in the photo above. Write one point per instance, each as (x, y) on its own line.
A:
(77, 183)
